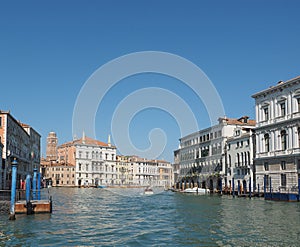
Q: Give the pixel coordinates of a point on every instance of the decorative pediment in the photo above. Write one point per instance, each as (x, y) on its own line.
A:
(297, 93)
(265, 104)
(282, 98)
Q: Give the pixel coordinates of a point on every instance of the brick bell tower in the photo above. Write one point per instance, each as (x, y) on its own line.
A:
(51, 150)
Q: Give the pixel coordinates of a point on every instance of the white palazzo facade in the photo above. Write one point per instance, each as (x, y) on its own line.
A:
(201, 155)
(278, 136)
(239, 159)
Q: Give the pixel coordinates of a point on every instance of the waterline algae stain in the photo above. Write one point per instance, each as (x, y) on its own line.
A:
(94, 217)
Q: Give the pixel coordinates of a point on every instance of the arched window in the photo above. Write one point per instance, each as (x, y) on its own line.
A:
(267, 142)
(283, 140)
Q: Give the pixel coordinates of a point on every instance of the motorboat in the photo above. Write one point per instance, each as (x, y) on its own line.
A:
(148, 191)
(197, 190)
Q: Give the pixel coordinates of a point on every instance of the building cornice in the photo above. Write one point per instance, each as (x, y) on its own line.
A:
(280, 86)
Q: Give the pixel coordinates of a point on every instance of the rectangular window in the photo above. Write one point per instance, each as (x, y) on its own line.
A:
(283, 165)
(266, 113)
(283, 180)
(266, 166)
(298, 103)
(282, 109)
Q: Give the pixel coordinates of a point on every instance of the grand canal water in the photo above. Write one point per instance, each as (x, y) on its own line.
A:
(123, 217)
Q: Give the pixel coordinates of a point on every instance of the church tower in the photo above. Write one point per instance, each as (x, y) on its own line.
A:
(51, 151)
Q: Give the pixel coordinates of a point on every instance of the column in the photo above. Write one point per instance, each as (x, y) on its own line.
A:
(257, 113)
(260, 112)
(289, 104)
(260, 141)
(277, 140)
(272, 141)
(290, 138)
(275, 109)
(272, 109)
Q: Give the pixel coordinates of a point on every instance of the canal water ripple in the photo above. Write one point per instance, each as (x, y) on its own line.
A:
(126, 217)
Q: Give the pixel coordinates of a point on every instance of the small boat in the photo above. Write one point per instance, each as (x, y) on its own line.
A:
(148, 191)
(102, 186)
(197, 190)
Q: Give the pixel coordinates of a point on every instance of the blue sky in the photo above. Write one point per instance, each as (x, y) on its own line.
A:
(48, 49)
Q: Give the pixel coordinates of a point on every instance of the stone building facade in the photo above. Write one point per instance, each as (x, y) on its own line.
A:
(202, 154)
(278, 135)
(19, 141)
(60, 175)
(239, 159)
(137, 171)
(94, 161)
